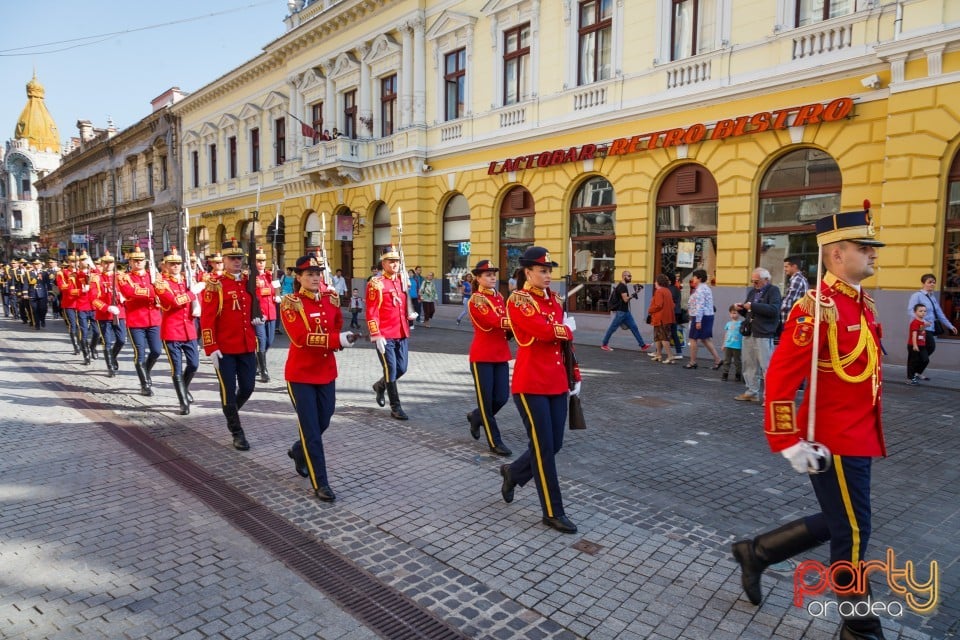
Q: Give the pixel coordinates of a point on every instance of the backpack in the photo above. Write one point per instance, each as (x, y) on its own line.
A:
(614, 303)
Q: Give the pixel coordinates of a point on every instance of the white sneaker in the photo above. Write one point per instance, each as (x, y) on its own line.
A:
(677, 358)
(652, 354)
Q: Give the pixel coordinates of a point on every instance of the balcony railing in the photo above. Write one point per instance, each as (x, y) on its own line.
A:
(589, 97)
(689, 71)
(513, 116)
(822, 38)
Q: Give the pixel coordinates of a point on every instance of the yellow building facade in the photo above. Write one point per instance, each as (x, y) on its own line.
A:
(659, 136)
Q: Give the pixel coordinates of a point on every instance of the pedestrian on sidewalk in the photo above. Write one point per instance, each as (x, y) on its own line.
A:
(229, 339)
(466, 290)
(681, 317)
(732, 345)
(937, 322)
(662, 319)
(428, 298)
(702, 310)
(761, 310)
(620, 306)
(313, 320)
(540, 385)
(356, 306)
(917, 358)
(489, 357)
(845, 397)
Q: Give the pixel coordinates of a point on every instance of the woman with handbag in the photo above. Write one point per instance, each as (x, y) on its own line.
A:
(936, 320)
(540, 384)
(702, 311)
(662, 319)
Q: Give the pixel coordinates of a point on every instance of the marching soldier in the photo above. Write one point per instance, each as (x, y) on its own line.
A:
(179, 306)
(489, 357)
(23, 293)
(87, 328)
(389, 329)
(313, 320)
(143, 317)
(540, 384)
(229, 338)
(7, 287)
(267, 290)
(109, 313)
(69, 284)
(52, 270)
(845, 396)
(38, 286)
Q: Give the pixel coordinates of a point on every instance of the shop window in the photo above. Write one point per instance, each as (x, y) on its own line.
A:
(595, 41)
(456, 247)
(516, 64)
(592, 240)
(798, 189)
(693, 25)
(517, 213)
(454, 80)
(812, 11)
(950, 280)
(686, 227)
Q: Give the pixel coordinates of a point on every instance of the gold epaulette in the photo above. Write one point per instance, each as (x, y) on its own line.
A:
(291, 301)
(519, 296)
(828, 308)
(869, 304)
(480, 300)
(376, 282)
(334, 297)
(213, 284)
(161, 285)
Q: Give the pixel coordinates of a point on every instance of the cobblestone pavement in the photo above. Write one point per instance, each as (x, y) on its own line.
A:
(668, 473)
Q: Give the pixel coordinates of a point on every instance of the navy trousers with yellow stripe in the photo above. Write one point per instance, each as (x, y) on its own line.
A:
(237, 376)
(844, 495)
(491, 381)
(314, 404)
(544, 418)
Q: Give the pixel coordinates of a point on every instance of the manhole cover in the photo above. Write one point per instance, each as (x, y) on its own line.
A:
(590, 548)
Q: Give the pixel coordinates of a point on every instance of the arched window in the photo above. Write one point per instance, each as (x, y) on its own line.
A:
(221, 238)
(244, 237)
(382, 231)
(201, 242)
(311, 232)
(687, 223)
(799, 188)
(949, 282)
(516, 232)
(592, 223)
(456, 246)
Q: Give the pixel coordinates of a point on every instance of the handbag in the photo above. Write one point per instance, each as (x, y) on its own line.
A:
(746, 327)
(575, 414)
(684, 317)
(649, 319)
(938, 329)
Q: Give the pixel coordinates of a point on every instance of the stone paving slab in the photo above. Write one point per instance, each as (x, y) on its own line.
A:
(670, 471)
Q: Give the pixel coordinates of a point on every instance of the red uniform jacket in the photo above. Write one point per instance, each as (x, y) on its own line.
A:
(140, 300)
(313, 325)
(103, 297)
(488, 312)
(266, 291)
(84, 301)
(176, 305)
(69, 282)
(536, 318)
(225, 316)
(387, 308)
(848, 380)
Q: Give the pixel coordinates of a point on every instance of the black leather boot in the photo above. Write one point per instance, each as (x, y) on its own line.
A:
(145, 389)
(181, 395)
(84, 350)
(148, 367)
(396, 411)
(768, 548)
(233, 424)
(117, 346)
(380, 388)
(73, 341)
(187, 378)
(299, 460)
(111, 372)
(262, 365)
(94, 343)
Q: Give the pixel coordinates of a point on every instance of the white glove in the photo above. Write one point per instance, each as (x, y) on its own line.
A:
(113, 310)
(197, 287)
(195, 309)
(381, 345)
(413, 315)
(85, 288)
(576, 389)
(570, 321)
(276, 284)
(277, 298)
(216, 356)
(347, 339)
(806, 457)
(257, 322)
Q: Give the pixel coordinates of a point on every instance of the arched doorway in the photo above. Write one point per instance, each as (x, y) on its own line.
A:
(593, 218)
(456, 246)
(798, 188)
(517, 222)
(686, 231)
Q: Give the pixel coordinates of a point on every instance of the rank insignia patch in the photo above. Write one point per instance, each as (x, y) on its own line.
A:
(803, 333)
